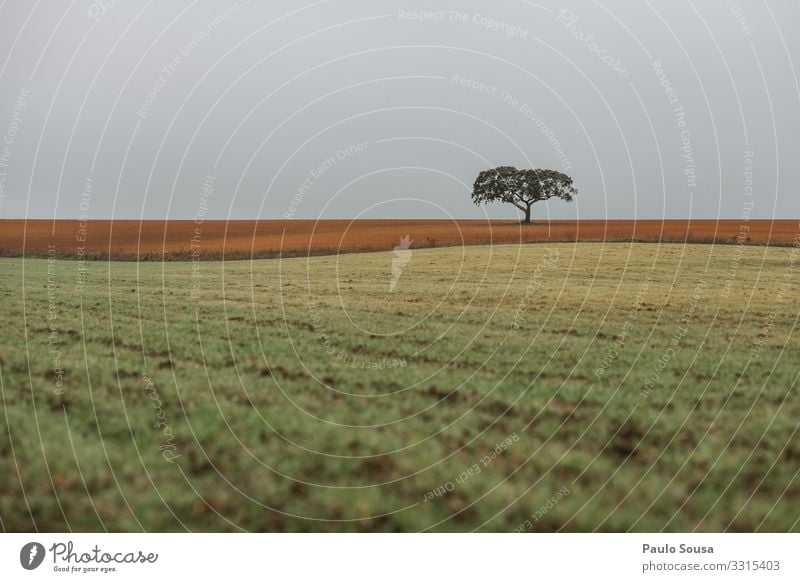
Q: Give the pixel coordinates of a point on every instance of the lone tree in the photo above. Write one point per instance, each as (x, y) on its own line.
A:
(522, 188)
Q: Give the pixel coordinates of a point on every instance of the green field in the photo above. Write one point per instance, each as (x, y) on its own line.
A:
(572, 387)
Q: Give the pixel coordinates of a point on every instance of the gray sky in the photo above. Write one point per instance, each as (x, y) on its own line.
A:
(342, 109)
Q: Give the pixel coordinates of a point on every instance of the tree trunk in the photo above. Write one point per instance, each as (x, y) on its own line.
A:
(527, 216)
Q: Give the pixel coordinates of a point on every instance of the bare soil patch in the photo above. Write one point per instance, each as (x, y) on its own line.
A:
(242, 239)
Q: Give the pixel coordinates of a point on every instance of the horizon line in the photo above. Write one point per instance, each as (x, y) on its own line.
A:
(282, 219)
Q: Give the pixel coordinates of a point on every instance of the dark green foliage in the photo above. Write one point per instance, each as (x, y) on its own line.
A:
(522, 188)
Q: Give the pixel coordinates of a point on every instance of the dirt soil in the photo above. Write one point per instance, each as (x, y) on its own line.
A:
(242, 239)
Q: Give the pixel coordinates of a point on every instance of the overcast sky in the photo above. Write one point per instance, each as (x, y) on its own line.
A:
(376, 109)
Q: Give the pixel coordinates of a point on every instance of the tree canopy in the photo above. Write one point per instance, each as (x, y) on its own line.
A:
(522, 188)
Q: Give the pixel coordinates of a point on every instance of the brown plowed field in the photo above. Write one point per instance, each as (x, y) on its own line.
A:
(181, 240)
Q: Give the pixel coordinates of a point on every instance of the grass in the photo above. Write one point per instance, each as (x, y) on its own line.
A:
(571, 387)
